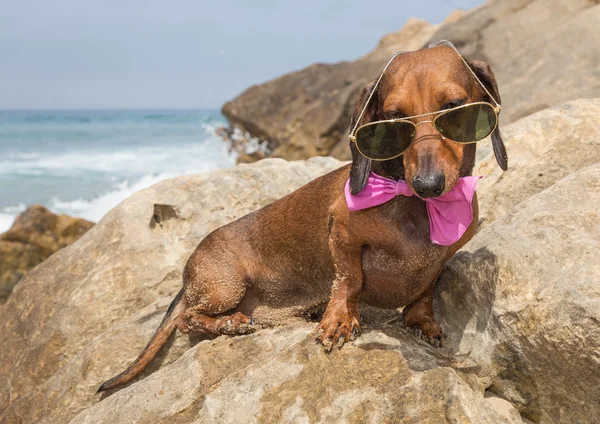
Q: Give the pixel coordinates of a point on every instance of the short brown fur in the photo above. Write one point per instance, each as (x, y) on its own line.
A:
(307, 250)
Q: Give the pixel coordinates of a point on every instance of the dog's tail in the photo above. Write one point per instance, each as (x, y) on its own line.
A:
(161, 335)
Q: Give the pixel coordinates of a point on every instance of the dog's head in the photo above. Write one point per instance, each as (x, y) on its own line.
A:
(418, 83)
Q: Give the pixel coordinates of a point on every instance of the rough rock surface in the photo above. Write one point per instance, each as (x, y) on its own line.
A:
(520, 305)
(540, 50)
(306, 113)
(282, 375)
(542, 149)
(521, 301)
(35, 235)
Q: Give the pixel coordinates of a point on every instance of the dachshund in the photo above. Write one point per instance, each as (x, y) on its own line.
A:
(307, 251)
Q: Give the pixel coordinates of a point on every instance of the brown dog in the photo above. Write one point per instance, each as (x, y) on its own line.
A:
(307, 250)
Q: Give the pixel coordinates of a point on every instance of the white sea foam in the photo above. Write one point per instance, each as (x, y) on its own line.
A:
(130, 170)
(6, 220)
(94, 209)
(8, 215)
(133, 160)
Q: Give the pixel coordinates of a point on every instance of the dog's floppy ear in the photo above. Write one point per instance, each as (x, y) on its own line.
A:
(486, 76)
(361, 166)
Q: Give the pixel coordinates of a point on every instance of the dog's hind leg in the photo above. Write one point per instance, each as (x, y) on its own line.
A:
(212, 290)
(418, 318)
(196, 320)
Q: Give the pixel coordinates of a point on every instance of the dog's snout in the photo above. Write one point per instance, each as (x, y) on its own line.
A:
(429, 185)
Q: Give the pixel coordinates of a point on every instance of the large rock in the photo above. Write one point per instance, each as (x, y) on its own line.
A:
(85, 311)
(538, 49)
(282, 375)
(542, 149)
(35, 235)
(519, 303)
(540, 52)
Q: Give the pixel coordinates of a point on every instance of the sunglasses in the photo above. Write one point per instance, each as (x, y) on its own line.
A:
(388, 139)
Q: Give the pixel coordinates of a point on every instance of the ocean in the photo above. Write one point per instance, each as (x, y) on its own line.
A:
(83, 163)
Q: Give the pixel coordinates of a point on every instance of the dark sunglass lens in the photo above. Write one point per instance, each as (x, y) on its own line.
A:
(384, 140)
(467, 124)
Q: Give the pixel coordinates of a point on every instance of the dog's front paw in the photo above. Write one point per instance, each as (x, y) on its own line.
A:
(337, 327)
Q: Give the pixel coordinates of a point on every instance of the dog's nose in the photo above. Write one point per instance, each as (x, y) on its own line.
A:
(429, 185)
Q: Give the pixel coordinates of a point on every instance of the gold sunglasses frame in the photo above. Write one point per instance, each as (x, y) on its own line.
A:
(497, 108)
(439, 113)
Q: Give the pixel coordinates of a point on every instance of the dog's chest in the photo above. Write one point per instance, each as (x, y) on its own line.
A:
(401, 261)
(396, 278)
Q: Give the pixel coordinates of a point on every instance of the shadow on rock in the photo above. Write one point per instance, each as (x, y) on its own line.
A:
(465, 295)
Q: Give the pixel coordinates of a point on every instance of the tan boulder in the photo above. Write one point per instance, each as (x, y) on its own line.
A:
(520, 329)
(540, 50)
(542, 149)
(35, 235)
(521, 303)
(283, 376)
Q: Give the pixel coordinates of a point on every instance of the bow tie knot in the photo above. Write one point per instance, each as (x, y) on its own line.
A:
(449, 214)
(397, 189)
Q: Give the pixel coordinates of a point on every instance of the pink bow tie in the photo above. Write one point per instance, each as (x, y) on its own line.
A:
(449, 214)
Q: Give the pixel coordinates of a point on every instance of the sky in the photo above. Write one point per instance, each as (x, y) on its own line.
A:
(131, 54)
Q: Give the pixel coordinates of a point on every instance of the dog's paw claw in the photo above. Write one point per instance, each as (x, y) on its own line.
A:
(337, 328)
(435, 341)
(236, 324)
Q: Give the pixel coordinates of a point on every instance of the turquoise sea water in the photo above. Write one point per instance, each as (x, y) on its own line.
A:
(83, 163)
